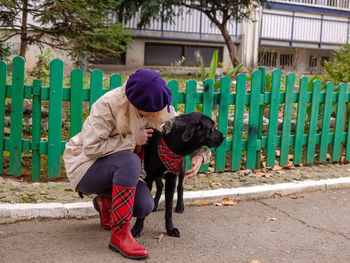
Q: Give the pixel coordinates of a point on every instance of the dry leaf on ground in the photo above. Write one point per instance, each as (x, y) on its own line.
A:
(280, 172)
(261, 174)
(159, 237)
(218, 204)
(244, 172)
(268, 219)
(215, 183)
(229, 203)
(294, 196)
(276, 195)
(203, 202)
(256, 261)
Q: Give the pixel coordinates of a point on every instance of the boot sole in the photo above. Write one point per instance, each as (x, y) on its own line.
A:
(98, 210)
(116, 249)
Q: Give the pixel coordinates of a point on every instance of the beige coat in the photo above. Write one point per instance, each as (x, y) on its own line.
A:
(99, 137)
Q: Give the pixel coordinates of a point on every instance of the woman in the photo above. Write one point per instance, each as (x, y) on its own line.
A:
(101, 160)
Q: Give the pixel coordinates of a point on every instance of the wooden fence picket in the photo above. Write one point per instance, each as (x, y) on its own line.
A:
(326, 122)
(55, 119)
(313, 121)
(17, 93)
(252, 146)
(300, 122)
(287, 119)
(339, 123)
(36, 131)
(236, 150)
(273, 119)
(220, 157)
(96, 83)
(207, 108)
(76, 102)
(3, 76)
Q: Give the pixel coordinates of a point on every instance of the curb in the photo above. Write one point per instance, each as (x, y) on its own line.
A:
(86, 209)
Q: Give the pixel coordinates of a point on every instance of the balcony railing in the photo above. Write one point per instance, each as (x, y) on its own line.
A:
(337, 4)
(193, 25)
(297, 29)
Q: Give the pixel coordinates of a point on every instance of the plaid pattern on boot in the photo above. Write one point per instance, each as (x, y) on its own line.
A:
(171, 160)
(123, 200)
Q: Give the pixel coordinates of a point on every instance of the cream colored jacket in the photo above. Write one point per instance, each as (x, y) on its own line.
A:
(99, 137)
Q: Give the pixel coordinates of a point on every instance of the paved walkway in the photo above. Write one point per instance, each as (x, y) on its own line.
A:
(303, 228)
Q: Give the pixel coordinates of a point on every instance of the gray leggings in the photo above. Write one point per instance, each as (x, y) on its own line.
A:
(123, 169)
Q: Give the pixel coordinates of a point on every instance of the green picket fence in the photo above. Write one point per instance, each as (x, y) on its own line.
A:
(303, 142)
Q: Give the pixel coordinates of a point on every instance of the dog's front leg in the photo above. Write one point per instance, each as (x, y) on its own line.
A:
(159, 187)
(180, 207)
(136, 230)
(170, 183)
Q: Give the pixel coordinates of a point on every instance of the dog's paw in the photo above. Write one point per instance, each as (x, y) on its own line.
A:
(179, 208)
(136, 232)
(155, 208)
(173, 232)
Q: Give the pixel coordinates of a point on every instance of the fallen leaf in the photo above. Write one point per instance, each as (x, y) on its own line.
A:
(294, 196)
(247, 223)
(268, 219)
(261, 174)
(215, 183)
(211, 169)
(229, 203)
(159, 237)
(225, 199)
(276, 195)
(203, 202)
(256, 261)
(243, 172)
(290, 157)
(218, 204)
(280, 172)
(276, 168)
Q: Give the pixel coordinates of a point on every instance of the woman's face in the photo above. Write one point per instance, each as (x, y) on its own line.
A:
(147, 114)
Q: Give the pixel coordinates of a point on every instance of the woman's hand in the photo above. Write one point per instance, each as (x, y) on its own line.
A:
(196, 164)
(143, 136)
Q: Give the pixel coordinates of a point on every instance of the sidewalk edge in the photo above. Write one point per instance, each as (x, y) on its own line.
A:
(85, 209)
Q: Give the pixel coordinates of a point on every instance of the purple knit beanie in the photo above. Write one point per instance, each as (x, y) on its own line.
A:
(147, 91)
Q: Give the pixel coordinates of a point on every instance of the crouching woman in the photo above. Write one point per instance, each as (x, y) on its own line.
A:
(101, 160)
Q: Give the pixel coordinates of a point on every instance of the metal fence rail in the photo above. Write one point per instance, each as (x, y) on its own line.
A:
(307, 142)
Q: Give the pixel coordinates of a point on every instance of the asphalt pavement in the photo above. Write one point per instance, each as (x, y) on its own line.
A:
(298, 228)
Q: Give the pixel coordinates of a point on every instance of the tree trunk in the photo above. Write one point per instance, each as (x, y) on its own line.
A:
(24, 32)
(230, 45)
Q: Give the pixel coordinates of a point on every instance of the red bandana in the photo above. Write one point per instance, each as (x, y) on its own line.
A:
(170, 160)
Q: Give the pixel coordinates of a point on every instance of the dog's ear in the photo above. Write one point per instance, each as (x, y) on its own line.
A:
(190, 131)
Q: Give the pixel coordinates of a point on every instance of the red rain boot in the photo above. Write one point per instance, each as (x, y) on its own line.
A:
(122, 240)
(103, 207)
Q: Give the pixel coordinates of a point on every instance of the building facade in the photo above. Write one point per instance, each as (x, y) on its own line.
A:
(294, 35)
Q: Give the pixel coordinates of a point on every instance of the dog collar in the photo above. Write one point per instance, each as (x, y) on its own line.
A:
(170, 160)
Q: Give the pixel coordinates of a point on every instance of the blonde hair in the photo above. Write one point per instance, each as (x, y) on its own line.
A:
(129, 120)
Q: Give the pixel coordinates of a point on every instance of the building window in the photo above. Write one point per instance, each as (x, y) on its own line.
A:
(167, 54)
(194, 53)
(267, 59)
(111, 60)
(323, 59)
(286, 60)
(162, 54)
(312, 61)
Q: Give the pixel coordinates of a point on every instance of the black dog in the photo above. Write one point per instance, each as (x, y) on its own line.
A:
(181, 136)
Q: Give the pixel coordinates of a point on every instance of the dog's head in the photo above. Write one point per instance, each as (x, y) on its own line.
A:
(186, 133)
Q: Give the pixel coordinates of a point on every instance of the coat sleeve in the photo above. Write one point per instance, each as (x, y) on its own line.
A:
(97, 136)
